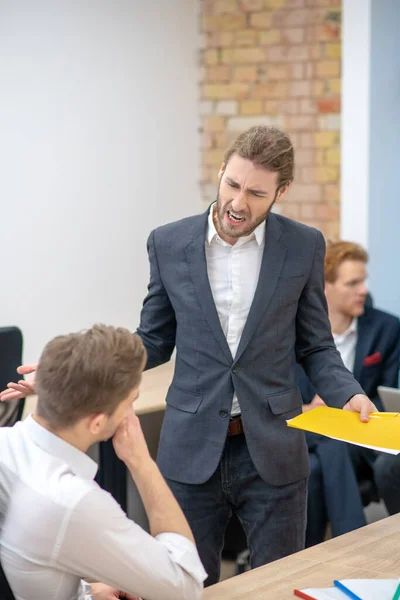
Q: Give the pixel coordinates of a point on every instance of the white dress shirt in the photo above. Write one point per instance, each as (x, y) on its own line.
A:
(346, 343)
(57, 525)
(233, 273)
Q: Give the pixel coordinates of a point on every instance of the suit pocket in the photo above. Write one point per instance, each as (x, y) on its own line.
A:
(285, 402)
(183, 399)
(292, 277)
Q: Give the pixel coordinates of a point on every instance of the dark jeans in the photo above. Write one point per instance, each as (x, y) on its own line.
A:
(387, 478)
(273, 518)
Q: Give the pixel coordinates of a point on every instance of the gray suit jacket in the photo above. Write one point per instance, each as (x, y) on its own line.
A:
(288, 318)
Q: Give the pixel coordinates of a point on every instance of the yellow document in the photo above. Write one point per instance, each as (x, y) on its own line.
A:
(382, 432)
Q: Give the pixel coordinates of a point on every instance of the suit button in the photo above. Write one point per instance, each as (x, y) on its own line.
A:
(235, 369)
(223, 413)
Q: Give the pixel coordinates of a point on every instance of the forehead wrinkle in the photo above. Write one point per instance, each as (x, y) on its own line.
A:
(243, 172)
(249, 188)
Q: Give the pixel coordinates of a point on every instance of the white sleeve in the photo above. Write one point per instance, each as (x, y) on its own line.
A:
(184, 553)
(84, 590)
(100, 543)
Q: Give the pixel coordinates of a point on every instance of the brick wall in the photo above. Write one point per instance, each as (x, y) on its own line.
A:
(275, 62)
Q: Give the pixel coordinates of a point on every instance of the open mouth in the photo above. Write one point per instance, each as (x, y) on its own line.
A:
(234, 218)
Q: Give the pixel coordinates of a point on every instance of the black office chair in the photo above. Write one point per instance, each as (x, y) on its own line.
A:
(10, 412)
(5, 590)
(10, 359)
(112, 474)
(235, 546)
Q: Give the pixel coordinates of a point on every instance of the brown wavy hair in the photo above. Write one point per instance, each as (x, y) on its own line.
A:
(268, 147)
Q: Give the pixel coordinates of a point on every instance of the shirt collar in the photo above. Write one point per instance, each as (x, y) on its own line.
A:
(353, 326)
(351, 329)
(81, 464)
(258, 233)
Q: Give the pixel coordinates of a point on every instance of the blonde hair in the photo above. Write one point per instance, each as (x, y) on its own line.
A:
(87, 372)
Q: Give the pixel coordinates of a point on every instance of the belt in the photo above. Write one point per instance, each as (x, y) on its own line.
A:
(235, 426)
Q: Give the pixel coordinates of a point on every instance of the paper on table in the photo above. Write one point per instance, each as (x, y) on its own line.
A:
(372, 589)
(382, 432)
(367, 589)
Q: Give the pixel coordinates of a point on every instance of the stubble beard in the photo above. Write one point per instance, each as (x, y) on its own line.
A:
(231, 231)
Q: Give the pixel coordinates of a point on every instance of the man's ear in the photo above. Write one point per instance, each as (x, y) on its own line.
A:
(327, 289)
(96, 423)
(283, 191)
(221, 171)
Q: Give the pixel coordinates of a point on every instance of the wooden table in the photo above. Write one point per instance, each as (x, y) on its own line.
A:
(370, 552)
(153, 391)
(154, 388)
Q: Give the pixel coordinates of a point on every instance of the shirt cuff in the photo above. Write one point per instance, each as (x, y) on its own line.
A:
(84, 592)
(184, 553)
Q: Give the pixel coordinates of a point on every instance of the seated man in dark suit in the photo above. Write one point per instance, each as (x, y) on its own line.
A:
(369, 343)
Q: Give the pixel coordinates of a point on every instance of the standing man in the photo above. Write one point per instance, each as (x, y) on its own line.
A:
(239, 291)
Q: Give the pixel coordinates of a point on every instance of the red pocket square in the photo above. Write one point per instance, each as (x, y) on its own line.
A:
(373, 359)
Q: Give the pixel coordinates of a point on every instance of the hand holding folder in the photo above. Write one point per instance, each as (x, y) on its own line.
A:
(382, 432)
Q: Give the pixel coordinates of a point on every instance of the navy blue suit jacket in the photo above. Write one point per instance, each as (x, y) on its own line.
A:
(288, 315)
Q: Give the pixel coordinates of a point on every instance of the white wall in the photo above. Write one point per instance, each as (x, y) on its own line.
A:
(384, 163)
(98, 145)
(370, 199)
(356, 48)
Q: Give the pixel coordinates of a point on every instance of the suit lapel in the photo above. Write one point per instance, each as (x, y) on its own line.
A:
(364, 337)
(196, 257)
(272, 262)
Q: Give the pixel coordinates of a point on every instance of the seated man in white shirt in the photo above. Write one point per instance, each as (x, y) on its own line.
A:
(56, 523)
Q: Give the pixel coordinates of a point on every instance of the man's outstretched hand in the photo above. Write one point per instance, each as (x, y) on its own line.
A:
(361, 404)
(22, 388)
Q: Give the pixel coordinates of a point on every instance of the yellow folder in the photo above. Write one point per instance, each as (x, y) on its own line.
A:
(382, 432)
